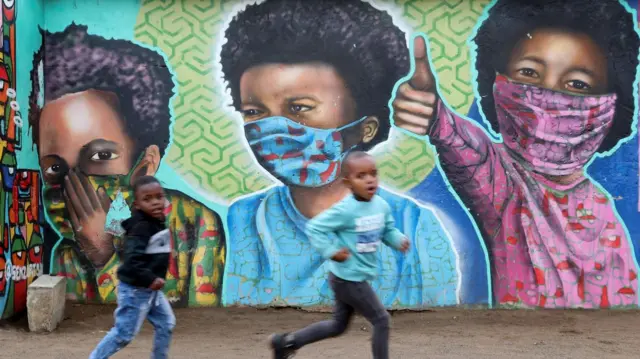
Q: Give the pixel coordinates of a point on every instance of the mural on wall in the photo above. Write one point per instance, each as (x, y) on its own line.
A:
(557, 91)
(505, 154)
(310, 89)
(100, 115)
(21, 239)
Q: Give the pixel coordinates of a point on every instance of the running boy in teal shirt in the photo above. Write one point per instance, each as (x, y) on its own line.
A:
(349, 234)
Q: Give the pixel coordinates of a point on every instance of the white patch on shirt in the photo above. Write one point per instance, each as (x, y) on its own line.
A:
(159, 243)
(369, 233)
(370, 223)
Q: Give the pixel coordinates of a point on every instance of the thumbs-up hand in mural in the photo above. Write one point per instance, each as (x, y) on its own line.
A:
(415, 104)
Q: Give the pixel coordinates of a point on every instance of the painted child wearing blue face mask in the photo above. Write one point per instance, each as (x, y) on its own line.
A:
(299, 123)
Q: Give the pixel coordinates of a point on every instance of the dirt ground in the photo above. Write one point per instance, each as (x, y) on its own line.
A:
(456, 334)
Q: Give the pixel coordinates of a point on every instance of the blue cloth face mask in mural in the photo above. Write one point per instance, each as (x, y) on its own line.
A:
(297, 154)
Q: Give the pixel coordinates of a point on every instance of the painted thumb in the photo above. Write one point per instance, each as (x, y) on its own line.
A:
(422, 78)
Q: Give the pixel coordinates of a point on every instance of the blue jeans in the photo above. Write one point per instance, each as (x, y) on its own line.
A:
(134, 305)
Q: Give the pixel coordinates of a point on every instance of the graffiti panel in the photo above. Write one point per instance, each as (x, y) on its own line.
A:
(22, 240)
(100, 120)
(505, 134)
(556, 93)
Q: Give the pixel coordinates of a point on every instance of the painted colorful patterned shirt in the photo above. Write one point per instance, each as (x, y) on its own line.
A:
(195, 268)
(551, 245)
(272, 263)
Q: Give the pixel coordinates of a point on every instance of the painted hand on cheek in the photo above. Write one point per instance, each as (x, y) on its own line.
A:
(414, 107)
(88, 213)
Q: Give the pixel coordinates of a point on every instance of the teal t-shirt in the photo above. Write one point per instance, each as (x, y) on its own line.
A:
(359, 226)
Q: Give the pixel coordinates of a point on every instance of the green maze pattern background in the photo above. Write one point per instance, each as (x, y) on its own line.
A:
(207, 149)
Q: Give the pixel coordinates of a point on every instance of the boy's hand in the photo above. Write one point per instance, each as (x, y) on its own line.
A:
(405, 245)
(157, 284)
(342, 255)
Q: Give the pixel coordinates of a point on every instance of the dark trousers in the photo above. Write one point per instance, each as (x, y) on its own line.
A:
(350, 297)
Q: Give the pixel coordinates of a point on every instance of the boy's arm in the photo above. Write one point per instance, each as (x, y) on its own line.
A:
(321, 227)
(392, 237)
(135, 247)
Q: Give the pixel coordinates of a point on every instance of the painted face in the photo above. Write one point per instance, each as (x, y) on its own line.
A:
(547, 109)
(559, 60)
(83, 130)
(18, 252)
(35, 248)
(312, 94)
(24, 180)
(19, 276)
(277, 98)
(105, 284)
(205, 289)
(8, 171)
(9, 9)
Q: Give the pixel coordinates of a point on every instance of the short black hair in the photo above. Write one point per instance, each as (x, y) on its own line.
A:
(361, 42)
(352, 156)
(75, 61)
(142, 181)
(606, 22)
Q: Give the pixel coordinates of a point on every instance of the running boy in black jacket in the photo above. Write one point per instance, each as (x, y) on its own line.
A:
(141, 274)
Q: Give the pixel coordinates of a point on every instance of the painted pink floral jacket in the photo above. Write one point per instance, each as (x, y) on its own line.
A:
(550, 245)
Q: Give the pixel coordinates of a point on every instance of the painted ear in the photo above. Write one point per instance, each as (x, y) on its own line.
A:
(148, 165)
(370, 128)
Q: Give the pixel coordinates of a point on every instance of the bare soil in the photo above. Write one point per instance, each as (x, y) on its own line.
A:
(230, 333)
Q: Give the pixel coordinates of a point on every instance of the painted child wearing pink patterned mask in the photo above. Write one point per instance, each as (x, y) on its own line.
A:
(556, 98)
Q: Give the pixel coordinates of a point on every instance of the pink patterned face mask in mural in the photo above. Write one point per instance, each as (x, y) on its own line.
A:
(555, 133)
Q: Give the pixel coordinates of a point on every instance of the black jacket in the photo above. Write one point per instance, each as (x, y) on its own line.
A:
(147, 245)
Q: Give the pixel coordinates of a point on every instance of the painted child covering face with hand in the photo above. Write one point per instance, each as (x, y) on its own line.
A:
(554, 236)
(95, 135)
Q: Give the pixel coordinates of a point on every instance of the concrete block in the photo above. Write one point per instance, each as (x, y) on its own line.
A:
(45, 303)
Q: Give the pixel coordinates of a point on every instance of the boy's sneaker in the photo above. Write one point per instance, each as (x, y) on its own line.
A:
(282, 346)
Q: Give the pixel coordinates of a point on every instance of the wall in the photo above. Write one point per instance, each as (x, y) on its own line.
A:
(516, 190)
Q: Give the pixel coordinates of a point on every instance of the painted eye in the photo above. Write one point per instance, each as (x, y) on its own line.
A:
(19, 255)
(9, 3)
(36, 250)
(52, 170)
(250, 112)
(579, 85)
(299, 108)
(528, 72)
(104, 156)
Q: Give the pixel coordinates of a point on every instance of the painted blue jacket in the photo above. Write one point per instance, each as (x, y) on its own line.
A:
(270, 260)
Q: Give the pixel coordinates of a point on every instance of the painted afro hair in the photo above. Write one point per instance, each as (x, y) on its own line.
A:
(607, 22)
(75, 61)
(361, 42)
